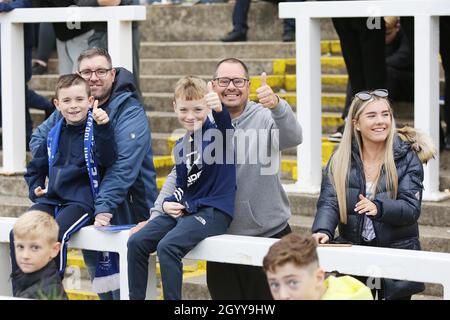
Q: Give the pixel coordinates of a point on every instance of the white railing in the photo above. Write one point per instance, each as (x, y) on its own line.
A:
(428, 267)
(426, 78)
(12, 59)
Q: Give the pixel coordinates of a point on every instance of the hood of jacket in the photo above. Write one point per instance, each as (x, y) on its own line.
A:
(124, 83)
(346, 288)
(419, 141)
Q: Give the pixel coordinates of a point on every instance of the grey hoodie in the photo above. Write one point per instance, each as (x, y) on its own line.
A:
(261, 205)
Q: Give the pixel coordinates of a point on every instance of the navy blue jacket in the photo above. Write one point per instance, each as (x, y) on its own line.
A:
(212, 184)
(128, 188)
(68, 181)
(395, 224)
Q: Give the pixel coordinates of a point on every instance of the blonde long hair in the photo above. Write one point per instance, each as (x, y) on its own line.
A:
(340, 162)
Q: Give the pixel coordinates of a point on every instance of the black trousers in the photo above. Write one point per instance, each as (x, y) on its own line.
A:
(239, 282)
(240, 16)
(363, 51)
(399, 83)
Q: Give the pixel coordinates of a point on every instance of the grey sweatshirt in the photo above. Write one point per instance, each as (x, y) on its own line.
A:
(261, 205)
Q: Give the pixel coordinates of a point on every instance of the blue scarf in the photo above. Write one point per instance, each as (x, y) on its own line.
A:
(91, 163)
(107, 270)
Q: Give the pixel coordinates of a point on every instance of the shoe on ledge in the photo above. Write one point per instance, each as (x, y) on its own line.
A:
(337, 136)
(234, 36)
(39, 69)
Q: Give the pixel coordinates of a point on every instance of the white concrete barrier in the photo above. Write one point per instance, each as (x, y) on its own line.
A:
(424, 266)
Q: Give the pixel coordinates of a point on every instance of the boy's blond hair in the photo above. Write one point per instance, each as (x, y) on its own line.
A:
(36, 224)
(190, 88)
(301, 250)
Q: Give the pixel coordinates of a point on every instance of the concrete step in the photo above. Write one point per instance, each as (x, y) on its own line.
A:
(329, 65)
(166, 83)
(218, 50)
(159, 143)
(209, 22)
(202, 66)
(16, 186)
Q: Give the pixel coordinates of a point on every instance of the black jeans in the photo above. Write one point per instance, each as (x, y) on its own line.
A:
(239, 282)
(363, 51)
(172, 239)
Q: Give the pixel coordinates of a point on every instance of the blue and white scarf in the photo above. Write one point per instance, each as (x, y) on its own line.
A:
(91, 163)
(107, 271)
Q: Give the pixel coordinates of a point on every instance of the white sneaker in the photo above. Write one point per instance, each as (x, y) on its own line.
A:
(335, 137)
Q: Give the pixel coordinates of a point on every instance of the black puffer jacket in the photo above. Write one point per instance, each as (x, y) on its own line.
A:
(395, 224)
(44, 284)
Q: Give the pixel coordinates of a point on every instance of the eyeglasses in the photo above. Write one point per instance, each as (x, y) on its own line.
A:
(237, 82)
(100, 73)
(367, 95)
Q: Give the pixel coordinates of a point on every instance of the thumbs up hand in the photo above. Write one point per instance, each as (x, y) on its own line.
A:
(265, 94)
(212, 99)
(100, 116)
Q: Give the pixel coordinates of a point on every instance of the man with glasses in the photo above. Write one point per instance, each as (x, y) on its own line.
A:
(128, 189)
(261, 204)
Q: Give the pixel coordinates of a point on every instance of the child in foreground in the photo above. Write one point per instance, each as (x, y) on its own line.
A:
(36, 245)
(293, 273)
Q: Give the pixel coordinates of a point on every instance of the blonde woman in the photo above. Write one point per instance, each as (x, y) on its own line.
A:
(372, 188)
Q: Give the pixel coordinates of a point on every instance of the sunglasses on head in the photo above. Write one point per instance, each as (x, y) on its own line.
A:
(367, 95)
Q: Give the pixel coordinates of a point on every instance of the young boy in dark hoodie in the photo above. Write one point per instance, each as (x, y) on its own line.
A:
(72, 161)
(203, 202)
(36, 245)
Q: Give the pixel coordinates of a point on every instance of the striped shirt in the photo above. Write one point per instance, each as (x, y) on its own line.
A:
(368, 232)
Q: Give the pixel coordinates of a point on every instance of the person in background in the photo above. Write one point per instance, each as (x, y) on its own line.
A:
(240, 27)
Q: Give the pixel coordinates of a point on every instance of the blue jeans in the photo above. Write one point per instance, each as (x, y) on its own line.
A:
(90, 259)
(172, 239)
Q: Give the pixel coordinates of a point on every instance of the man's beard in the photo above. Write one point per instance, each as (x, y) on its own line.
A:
(102, 97)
